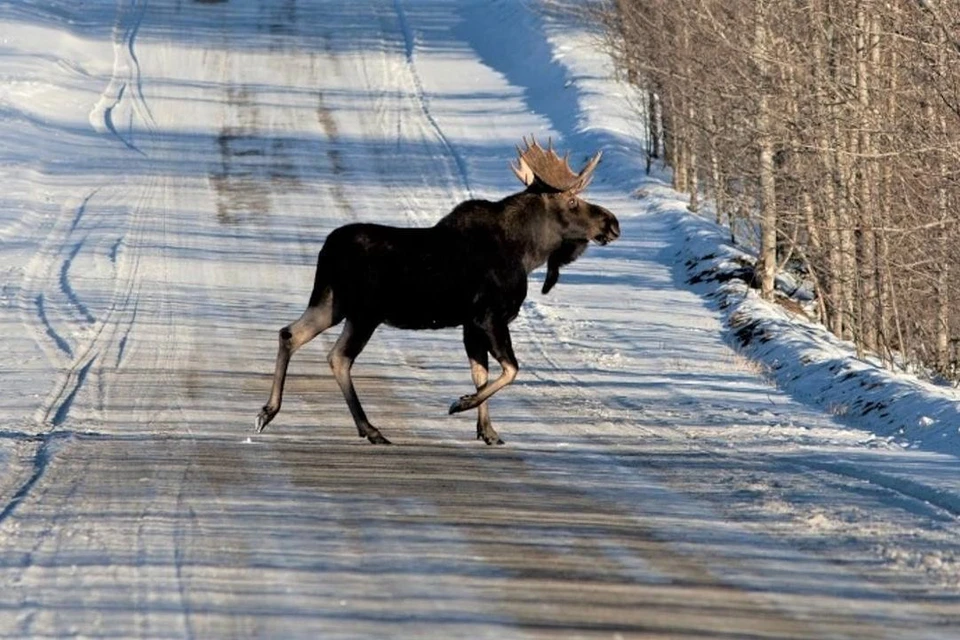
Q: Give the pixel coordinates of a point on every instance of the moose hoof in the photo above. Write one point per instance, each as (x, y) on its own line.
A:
(264, 418)
(377, 438)
(490, 437)
(372, 434)
(464, 403)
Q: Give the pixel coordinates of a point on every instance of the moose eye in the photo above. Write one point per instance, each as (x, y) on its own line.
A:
(572, 203)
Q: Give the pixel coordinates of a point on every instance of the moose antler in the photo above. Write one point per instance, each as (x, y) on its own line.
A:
(536, 164)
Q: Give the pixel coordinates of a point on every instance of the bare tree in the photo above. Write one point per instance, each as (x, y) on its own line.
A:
(831, 128)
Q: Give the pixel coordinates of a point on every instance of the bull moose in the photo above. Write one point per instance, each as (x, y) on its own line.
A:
(470, 269)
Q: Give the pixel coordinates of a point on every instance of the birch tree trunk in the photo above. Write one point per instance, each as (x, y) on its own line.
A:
(866, 249)
(767, 200)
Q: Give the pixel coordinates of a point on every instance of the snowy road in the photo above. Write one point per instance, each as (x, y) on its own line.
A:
(171, 169)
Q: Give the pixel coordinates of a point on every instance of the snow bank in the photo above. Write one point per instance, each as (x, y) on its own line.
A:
(803, 357)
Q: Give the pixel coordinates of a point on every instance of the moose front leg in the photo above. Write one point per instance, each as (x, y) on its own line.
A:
(498, 339)
(475, 343)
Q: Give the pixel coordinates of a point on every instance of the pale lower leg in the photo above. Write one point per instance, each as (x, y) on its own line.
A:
(474, 400)
(485, 430)
(313, 321)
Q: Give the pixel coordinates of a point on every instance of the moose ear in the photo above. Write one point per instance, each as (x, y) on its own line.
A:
(523, 172)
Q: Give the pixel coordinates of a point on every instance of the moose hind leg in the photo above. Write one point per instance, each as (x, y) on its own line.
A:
(498, 338)
(476, 346)
(314, 320)
(349, 345)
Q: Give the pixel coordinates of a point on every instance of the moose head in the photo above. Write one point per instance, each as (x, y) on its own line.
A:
(543, 172)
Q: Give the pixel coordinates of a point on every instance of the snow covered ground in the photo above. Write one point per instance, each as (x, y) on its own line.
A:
(170, 170)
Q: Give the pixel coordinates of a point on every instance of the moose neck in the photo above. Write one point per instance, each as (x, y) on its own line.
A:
(532, 228)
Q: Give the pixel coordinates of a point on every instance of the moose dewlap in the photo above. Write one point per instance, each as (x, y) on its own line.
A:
(469, 270)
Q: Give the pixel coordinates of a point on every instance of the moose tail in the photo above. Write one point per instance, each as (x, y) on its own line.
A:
(321, 279)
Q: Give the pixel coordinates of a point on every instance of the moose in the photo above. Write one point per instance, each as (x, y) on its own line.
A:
(470, 269)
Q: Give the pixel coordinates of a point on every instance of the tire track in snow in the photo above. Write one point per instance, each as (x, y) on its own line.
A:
(57, 339)
(48, 300)
(27, 558)
(64, 275)
(130, 38)
(53, 306)
(328, 124)
(42, 456)
(545, 334)
(63, 408)
(65, 287)
(183, 513)
(122, 343)
(45, 448)
(907, 488)
(126, 72)
(72, 336)
(421, 95)
(83, 341)
(120, 316)
(395, 90)
(52, 415)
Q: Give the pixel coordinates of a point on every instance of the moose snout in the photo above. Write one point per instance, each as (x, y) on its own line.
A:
(610, 228)
(613, 229)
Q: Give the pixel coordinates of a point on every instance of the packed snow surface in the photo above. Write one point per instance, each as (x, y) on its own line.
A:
(170, 170)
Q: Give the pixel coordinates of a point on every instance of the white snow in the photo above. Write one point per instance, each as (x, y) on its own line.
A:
(170, 170)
